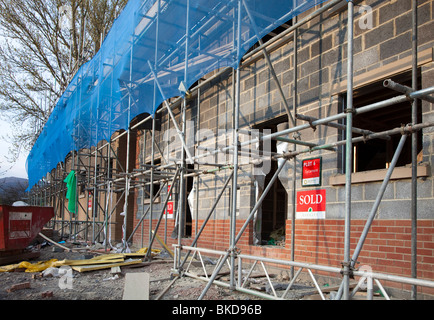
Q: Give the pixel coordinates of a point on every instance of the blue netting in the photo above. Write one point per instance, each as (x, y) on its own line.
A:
(142, 62)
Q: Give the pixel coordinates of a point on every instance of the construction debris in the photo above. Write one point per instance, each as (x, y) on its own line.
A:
(86, 268)
(136, 286)
(51, 272)
(47, 294)
(82, 265)
(115, 270)
(19, 286)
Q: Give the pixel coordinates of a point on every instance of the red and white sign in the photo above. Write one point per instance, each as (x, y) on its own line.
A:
(311, 175)
(311, 204)
(169, 210)
(89, 203)
(168, 191)
(20, 224)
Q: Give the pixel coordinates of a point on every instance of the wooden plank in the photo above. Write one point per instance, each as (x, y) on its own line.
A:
(107, 258)
(105, 266)
(163, 244)
(378, 175)
(136, 286)
(86, 262)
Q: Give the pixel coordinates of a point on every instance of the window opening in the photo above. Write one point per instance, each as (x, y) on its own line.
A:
(157, 185)
(378, 153)
(188, 210)
(272, 34)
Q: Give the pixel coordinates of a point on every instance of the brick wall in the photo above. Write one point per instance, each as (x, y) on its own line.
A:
(387, 248)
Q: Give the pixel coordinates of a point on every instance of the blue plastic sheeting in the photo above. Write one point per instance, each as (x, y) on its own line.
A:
(142, 62)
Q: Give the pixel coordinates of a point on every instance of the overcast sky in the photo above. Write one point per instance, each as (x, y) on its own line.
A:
(19, 169)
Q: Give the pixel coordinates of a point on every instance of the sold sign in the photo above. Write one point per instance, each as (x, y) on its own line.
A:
(169, 210)
(311, 204)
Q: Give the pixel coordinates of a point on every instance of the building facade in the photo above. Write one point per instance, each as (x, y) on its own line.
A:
(289, 100)
(303, 215)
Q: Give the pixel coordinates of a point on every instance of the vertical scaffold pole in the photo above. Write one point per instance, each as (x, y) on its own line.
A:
(294, 173)
(143, 189)
(151, 187)
(348, 155)
(414, 154)
(151, 196)
(127, 164)
(235, 154)
(95, 192)
(182, 184)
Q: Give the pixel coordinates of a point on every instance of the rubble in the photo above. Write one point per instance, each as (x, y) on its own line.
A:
(19, 286)
(47, 294)
(101, 284)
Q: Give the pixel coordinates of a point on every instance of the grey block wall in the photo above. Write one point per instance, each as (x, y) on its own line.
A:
(321, 69)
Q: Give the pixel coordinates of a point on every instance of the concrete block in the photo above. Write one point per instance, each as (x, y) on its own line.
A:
(361, 209)
(380, 34)
(371, 191)
(425, 209)
(322, 45)
(403, 188)
(356, 193)
(282, 66)
(331, 57)
(394, 209)
(136, 286)
(310, 95)
(335, 211)
(426, 33)
(395, 46)
(310, 67)
(393, 9)
(365, 58)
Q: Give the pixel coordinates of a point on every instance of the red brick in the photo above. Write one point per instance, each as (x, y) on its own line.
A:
(425, 223)
(387, 249)
(394, 256)
(403, 222)
(428, 259)
(379, 229)
(19, 286)
(404, 250)
(47, 294)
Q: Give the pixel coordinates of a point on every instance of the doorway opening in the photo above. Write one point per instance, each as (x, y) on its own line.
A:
(271, 222)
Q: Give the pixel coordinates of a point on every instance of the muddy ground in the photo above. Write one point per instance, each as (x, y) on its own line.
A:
(103, 285)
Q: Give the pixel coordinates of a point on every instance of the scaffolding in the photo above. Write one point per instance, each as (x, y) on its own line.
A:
(107, 170)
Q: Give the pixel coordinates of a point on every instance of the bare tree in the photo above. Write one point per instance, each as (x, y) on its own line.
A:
(42, 44)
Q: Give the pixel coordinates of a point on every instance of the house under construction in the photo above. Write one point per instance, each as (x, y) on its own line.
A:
(289, 134)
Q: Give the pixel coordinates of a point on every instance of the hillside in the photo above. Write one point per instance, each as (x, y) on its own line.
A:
(12, 189)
